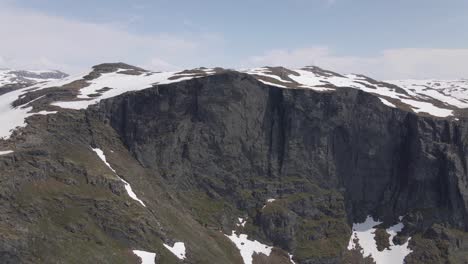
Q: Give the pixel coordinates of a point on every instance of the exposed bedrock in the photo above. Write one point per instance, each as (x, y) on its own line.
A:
(329, 158)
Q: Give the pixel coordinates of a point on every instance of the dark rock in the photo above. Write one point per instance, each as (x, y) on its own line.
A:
(202, 153)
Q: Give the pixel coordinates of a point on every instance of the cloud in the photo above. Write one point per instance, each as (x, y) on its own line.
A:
(36, 40)
(157, 63)
(389, 64)
(33, 40)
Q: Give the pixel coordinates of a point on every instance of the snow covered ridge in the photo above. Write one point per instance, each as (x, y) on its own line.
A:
(440, 99)
(117, 81)
(12, 86)
(436, 98)
(363, 238)
(103, 81)
(11, 77)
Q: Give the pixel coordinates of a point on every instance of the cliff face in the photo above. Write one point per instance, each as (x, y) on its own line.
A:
(297, 165)
(330, 158)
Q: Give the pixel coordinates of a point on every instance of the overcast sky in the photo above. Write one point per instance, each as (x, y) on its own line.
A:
(395, 39)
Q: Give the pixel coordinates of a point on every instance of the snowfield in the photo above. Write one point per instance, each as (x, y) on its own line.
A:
(452, 92)
(420, 96)
(8, 76)
(365, 233)
(119, 83)
(14, 117)
(265, 73)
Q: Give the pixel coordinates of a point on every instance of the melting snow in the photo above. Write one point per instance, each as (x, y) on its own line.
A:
(452, 92)
(242, 222)
(265, 72)
(291, 258)
(6, 152)
(57, 82)
(119, 84)
(387, 103)
(248, 247)
(310, 80)
(17, 77)
(101, 155)
(424, 107)
(268, 201)
(365, 232)
(178, 249)
(13, 117)
(418, 96)
(146, 257)
(44, 113)
(272, 84)
(128, 188)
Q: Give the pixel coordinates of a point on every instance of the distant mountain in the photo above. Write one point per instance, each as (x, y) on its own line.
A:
(211, 165)
(11, 79)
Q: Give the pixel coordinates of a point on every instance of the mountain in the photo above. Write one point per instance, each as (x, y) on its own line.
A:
(267, 165)
(14, 79)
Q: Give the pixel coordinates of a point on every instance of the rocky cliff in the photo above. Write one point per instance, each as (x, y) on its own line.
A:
(298, 165)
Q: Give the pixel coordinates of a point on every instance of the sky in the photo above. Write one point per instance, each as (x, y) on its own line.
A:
(398, 39)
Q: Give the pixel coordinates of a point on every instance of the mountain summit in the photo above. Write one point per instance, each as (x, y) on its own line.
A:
(211, 165)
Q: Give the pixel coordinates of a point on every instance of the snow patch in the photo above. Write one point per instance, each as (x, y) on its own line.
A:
(128, 188)
(387, 103)
(272, 84)
(131, 193)
(248, 247)
(365, 232)
(268, 201)
(242, 222)
(8, 76)
(291, 258)
(452, 92)
(101, 155)
(6, 152)
(145, 256)
(11, 117)
(58, 82)
(423, 107)
(44, 113)
(310, 80)
(419, 95)
(178, 249)
(265, 72)
(120, 83)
